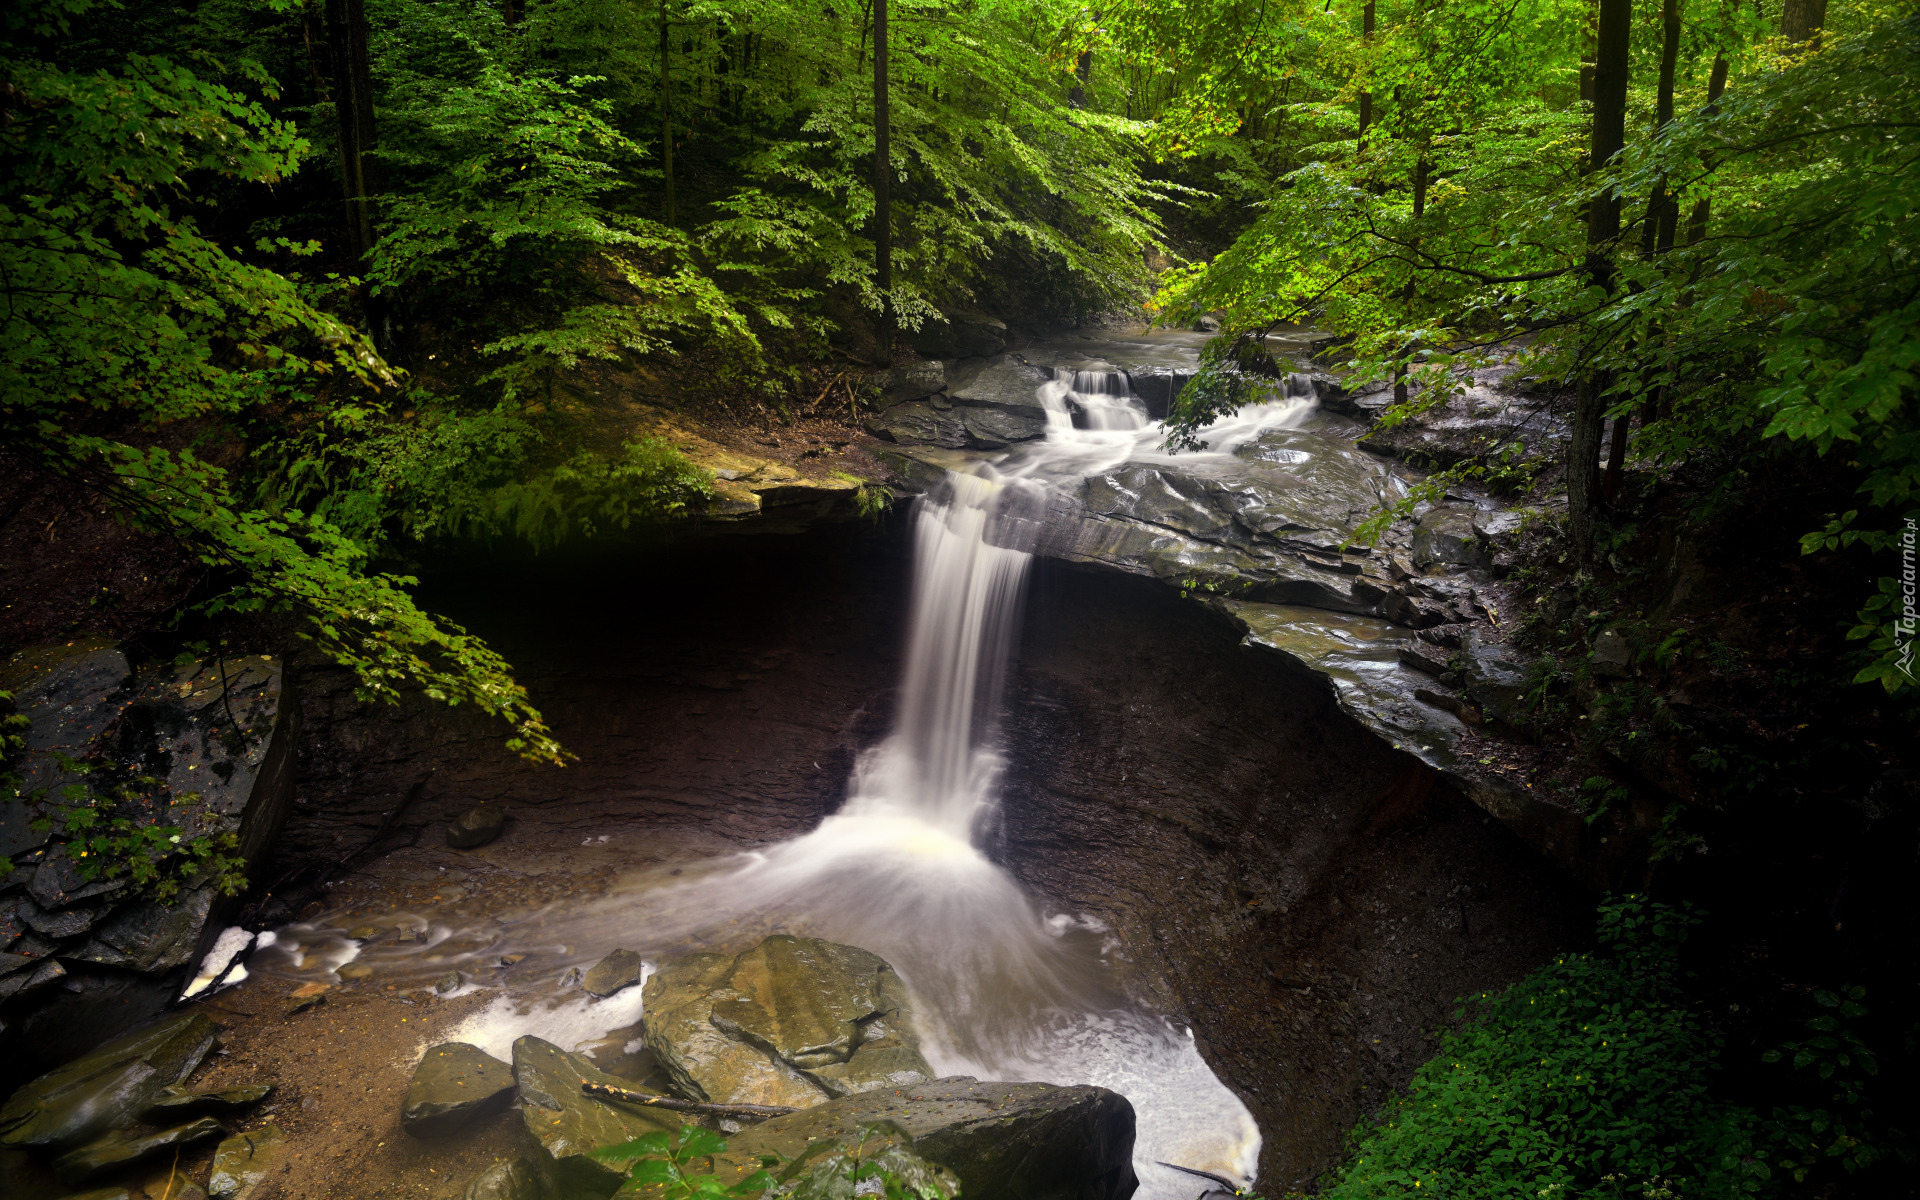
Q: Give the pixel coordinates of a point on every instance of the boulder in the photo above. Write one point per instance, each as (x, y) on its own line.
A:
(1612, 655)
(521, 1178)
(243, 1160)
(1005, 1141)
(919, 424)
(150, 936)
(477, 826)
(1004, 381)
(210, 743)
(60, 923)
(997, 428)
(910, 381)
(1446, 537)
(1496, 674)
(116, 1150)
(454, 1084)
(620, 969)
(107, 1088)
(21, 983)
(569, 1124)
(977, 334)
(57, 882)
(792, 1021)
(961, 335)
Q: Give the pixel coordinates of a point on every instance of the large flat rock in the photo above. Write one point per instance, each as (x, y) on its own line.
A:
(1005, 1141)
(107, 1088)
(793, 1021)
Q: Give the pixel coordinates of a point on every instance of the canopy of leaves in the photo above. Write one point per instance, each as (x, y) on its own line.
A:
(1455, 230)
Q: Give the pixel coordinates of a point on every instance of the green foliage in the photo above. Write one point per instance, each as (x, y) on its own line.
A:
(1589, 1078)
(1789, 315)
(440, 475)
(110, 831)
(874, 1163)
(123, 314)
(1840, 1126)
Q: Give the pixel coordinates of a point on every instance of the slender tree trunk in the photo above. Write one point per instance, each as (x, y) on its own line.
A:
(1366, 98)
(882, 184)
(1589, 52)
(666, 107)
(359, 172)
(353, 108)
(1603, 226)
(1716, 84)
(314, 34)
(1656, 237)
(1082, 68)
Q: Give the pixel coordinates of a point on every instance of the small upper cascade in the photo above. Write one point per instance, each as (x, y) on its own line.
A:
(1093, 401)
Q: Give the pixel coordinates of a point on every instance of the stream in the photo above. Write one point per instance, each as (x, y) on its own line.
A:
(1005, 988)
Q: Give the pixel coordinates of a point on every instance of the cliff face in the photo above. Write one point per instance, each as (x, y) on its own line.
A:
(1310, 900)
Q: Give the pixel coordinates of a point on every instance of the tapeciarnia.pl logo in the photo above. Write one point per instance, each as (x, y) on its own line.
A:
(1903, 628)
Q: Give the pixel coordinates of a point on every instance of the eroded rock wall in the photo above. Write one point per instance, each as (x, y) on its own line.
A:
(1307, 898)
(725, 684)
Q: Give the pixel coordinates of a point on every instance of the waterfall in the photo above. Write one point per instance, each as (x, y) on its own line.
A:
(1003, 988)
(936, 766)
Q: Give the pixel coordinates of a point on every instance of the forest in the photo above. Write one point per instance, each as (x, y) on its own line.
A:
(314, 303)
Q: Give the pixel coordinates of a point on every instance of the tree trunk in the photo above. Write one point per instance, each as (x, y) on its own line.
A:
(1716, 84)
(882, 185)
(353, 106)
(1657, 234)
(1082, 68)
(1603, 226)
(1588, 52)
(1801, 20)
(1656, 237)
(1366, 98)
(666, 107)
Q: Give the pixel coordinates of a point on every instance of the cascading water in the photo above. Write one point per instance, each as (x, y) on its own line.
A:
(1005, 991)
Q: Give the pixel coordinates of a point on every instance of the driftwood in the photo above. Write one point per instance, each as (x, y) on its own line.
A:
(750, 1112)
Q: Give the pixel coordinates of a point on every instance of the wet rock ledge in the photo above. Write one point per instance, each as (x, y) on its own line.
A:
(206, 745)
(1405, 634)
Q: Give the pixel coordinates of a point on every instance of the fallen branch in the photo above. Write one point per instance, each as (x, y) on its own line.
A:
(751, 1112)
(1228, 1184)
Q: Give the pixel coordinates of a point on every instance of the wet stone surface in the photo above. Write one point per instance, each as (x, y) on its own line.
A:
(792, 1022)
(569, 1124)
(455, 1083)
(1031, 1141)
(107, 1088)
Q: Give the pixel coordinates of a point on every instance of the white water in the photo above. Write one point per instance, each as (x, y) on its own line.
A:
(1095, 423)
(1004, 991)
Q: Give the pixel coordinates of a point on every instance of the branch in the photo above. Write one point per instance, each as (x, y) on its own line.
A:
(751, 1112)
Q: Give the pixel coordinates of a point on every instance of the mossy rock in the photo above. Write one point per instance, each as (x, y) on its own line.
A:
(569, 1124)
